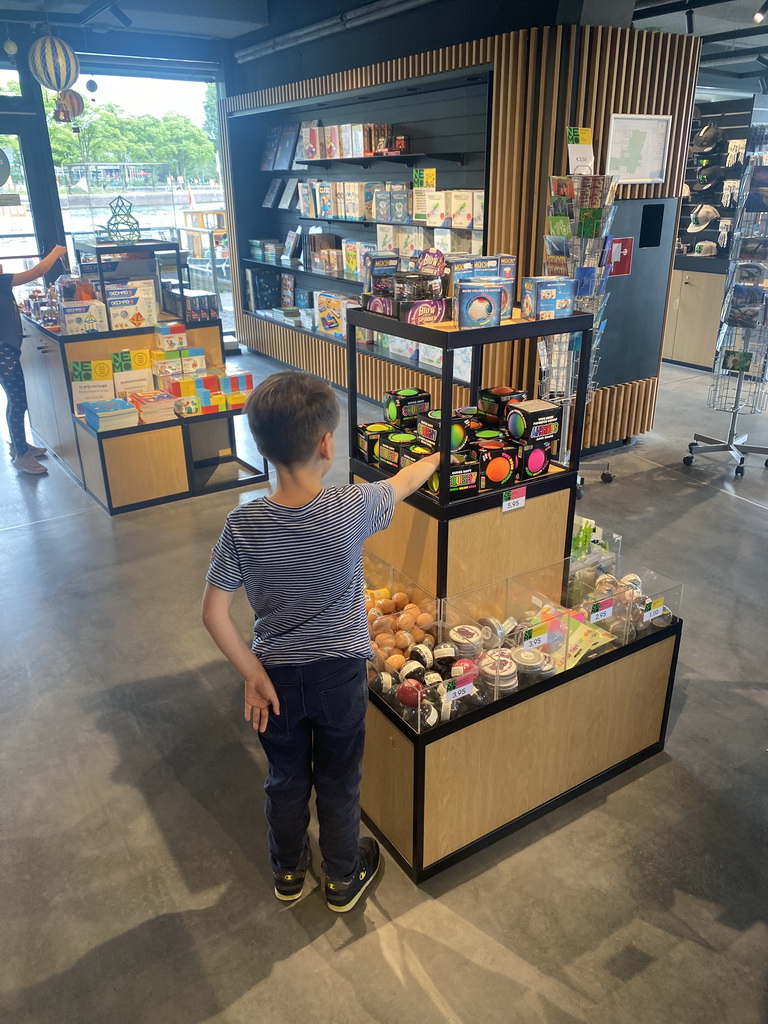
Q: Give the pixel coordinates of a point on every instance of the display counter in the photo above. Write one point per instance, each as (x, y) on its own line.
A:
(137, 466)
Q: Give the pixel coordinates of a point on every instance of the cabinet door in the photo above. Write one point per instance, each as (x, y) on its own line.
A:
(698, 318)
(36, 353)
(673, 308)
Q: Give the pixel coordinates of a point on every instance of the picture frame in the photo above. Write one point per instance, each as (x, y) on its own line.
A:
(638, 145)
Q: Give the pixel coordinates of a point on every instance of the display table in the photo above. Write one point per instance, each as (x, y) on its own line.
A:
(139, 466)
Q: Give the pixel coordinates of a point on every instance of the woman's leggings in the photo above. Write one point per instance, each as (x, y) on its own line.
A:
(12, 380)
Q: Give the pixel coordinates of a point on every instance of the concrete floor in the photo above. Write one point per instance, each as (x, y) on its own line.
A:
(134, 883)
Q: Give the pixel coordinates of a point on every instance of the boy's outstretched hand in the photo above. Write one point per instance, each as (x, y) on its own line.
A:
(260, 695)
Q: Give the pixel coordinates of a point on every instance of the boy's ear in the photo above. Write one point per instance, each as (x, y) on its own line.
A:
(324, 448)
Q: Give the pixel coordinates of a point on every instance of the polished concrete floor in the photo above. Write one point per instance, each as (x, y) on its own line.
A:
(134, 886)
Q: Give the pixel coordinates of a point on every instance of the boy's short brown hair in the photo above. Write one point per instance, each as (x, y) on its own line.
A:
(289, 413)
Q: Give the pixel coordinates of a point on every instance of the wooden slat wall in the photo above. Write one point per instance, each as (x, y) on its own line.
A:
(543, 80)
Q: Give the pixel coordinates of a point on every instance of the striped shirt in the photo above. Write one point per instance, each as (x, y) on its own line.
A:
(302, 570)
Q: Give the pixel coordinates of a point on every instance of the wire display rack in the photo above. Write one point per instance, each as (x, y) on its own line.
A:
(739, 384)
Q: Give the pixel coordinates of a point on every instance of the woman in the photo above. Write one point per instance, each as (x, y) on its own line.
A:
(23, 454)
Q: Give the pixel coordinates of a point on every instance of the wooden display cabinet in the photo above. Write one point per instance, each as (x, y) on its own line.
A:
(436, 796)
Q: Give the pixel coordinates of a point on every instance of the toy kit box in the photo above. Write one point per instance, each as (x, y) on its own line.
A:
(436, 211)
(232, 383)
(132, 371)
(188, 405)
(547, 298)
(403, 406)
(339, 203)
(385, 237)
(368, 437)
(459, 209)
(165, 364)
(171, 336)
(410, 239)
(476, 243)
(507, 266)
(414, 453)
(478, 209)
(218, 403)
(486, 266)
(506, 293)
(329, 319)
(192, 359)
(313, 138)
(404, 348)
(478, 305)
(424, 311)
(180, 385)
(430, 426)
(497, 462)
(354, 200)
(464, 481)
(419, 211)
(458, 268)
(391, 447)
(83, 317)
(384, 305)
(349, 248)
(532, 459)
(324, 200)
(369, 190)
(399, 204)
(236, 400)
(494, 401)
(128, 312)
(331, 141)
(535, 420)
(345, 140)
(358, 140)
(382, 207)
(378, 264)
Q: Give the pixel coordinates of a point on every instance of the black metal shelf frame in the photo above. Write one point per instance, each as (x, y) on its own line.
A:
(449, 338)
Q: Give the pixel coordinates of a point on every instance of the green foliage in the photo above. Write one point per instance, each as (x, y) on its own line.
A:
(211, 122)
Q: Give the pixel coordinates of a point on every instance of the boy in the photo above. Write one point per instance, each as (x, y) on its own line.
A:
(24, 454)
(299, 555)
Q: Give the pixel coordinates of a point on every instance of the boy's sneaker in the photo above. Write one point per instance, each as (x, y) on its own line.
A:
(342, 896)
(27, 463)
(38, 453)
(290, 884)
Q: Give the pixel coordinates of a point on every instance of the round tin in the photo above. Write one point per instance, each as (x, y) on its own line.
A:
(529, 664)
(468, 640)
(498, 665)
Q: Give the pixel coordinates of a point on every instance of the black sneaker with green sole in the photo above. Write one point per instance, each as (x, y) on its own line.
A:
(343, 896)
(290, 884)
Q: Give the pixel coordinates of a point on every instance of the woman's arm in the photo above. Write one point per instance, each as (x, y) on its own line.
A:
(40, 268)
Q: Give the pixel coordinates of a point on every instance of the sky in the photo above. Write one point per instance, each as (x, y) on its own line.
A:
(143, 95)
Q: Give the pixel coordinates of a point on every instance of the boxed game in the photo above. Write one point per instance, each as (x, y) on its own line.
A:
(188, 405)
(399, 204)
(382, 207)
(486, 266)
(354, 200)
(463, 481)
(385, 237)
(458, 268)
(403, 406)
(345, 140)
(349, 248)
(534, 420)
(170, 336)
(369, 190)
(425, 311)
(311, 135)
(128, 311)
(358, 140)
(180, 385)
(338, 201)
(331, 141)
(506, 293)
(165, 364)
(430, 426)
(478, 209)
(192, 359)
(368, 437)
(547, 298)
(476, 243)
(82, 317)
(414, 453)
(324, 200)
(404, 348)
(478, 305)
(419, 211)
(507, 266)
(217, 403)
(391, 447)
(435, 212)
(459, 212)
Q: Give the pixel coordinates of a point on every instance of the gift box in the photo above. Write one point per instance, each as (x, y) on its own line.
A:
(535, 420)
(403, 406)
(368, 438)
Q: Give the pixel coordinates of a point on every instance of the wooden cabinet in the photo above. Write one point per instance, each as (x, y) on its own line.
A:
(693, 317)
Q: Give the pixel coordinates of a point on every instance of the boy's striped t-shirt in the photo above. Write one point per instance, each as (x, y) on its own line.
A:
(302, 571)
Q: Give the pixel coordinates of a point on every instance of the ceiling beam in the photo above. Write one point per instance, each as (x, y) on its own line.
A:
(675, 7)
(739, 33)
(734, 56)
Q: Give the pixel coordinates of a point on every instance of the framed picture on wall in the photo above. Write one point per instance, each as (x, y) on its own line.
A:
(637, 148)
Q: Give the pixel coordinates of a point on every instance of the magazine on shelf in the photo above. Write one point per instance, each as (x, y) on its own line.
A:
(286, 146)
(271, 196)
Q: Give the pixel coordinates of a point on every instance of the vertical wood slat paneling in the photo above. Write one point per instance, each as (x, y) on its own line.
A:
(543, 79)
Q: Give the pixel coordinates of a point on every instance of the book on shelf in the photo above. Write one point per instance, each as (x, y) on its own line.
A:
(263, 287)
(289, 194)
(300, 155)
(271, 196)
(112, 414)
(292, 246)
(286, 146)
(154, 406)
(270, 148)
(287, 290)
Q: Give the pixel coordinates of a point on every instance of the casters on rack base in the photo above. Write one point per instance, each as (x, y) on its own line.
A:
(579, 491)
(607, 477)
(692, 445)
(688, 460)
(739, 471)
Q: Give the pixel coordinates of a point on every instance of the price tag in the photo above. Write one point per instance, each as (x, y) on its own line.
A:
(536, 636)
(653, 608)
(513, 499)
(601, 610)
(454, 692)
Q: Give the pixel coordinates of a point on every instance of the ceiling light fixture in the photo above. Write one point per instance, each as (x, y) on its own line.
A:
(759, 15)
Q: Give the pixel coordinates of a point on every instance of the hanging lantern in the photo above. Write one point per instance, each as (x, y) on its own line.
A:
(53, 63)
(10, 48)
(73, 101)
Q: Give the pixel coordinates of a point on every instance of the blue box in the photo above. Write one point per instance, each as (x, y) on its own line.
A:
(547, 298)
(486, 266)
(507, 293)
(478, 304)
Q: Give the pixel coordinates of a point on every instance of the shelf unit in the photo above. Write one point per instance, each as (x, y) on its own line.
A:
(406, 159)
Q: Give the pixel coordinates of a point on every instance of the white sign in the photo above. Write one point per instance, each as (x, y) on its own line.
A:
(637, 147)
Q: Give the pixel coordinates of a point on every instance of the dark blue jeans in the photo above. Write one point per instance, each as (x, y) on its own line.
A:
(316, 740)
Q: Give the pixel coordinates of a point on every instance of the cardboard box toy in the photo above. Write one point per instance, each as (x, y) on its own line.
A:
(403, 406)
(476, 243)
(331, 141)
(368, 437)
(180, 385)
(459, 209)
(534, 420)
(236, 400)
(128, 311)
(218, 404)
(369, 189)
(464, 481)
(231, 383)
(419, 209)
(478, 209)
(391, 447)
(310, 137)
(424, 311)
(404, 348)
(486, 266)
(358, 140)
(171, 336)
(382, 207)
(399, 205)
(506, 292)
(345, 140)
(436, 211)
(494, 401)
(507, 266)
(458, 268)
(414, 453)
(338, 200)
(547, 298)
(498, 464)
(478, 305)
(189, 405)
(354, 200)
(83, 317)
(532, 459)
(385, 238)
(430, 426)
